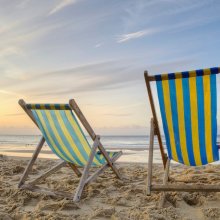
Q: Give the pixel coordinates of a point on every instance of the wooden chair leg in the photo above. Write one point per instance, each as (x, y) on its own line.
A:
(31, 162)
(108, 159)
(75, 169)
(85, 173)
(150, 158)
(165, 181)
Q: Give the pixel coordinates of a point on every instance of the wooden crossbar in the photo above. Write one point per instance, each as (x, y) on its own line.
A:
(186, 188)
(166, 186)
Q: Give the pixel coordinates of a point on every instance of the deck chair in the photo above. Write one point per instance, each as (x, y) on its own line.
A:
(188, 107)
(62, 132)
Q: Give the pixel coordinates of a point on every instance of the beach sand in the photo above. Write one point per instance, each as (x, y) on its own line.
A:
(107, 197)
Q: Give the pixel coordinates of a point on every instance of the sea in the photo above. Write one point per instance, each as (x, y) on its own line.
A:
(135, 148)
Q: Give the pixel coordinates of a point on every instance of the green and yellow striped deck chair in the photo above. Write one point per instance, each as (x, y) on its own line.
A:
(62, 132)
(188, 107)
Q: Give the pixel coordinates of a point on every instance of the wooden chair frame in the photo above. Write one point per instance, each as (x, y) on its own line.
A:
(84, 176)
(154, 131)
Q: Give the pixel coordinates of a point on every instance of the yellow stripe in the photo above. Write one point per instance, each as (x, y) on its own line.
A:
(80, 135)
(164, 76)
(59, 139)
(69, 138)
(62, 106)
(194, 118)
(207, 72)
(181, 120)
(52, 107)
(207, 110)
(39, 114)
(167, 104)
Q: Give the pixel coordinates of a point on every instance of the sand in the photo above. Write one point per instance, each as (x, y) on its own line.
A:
(107, 197)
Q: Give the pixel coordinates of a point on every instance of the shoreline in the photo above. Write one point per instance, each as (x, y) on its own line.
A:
(128, 154)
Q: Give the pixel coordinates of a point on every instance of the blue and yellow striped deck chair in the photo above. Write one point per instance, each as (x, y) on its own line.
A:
(62, 132)
(188, 107)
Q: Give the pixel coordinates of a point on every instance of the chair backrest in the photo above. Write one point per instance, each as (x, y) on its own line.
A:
(62, 132)
(188, 106)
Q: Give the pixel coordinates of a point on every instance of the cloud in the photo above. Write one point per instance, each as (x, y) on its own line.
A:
(98, 45)
(167, 28)
(14, 114)
(8, 93)
(63, 4)
(135, 35)
(10, 50)
(98, 76)
(92, 77)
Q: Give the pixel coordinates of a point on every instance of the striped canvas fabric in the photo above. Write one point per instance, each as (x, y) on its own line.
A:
(189, 114)
(63, 134)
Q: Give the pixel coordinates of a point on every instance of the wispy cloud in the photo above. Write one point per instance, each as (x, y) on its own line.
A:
(93, 77)
(10, 50)
(174, 27)
(15, 114)
(96, 77)
(98, 45)
(131, 36)
(63, 4)
(8, 93)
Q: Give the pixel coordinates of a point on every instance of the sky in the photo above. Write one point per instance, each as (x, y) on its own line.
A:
(96, 51)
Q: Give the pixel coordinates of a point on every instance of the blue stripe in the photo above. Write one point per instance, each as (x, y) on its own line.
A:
(47, 107)
(43, 131)
(75, 119)
(214, 70)
(187, 117)
(174, 111)
(171, 76)
(163, 115)
(185, 74)
(47, 138)
(46, 120)
(157, 77)
(74, 136)
(62, 136)
(201, 118)
(80, 146)
(214, 117)
(199, 72)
